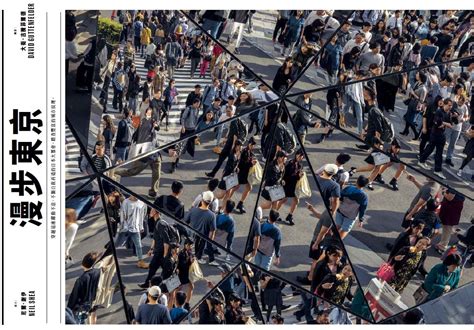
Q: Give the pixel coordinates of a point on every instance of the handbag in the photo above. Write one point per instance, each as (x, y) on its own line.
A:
(208, 58)
(172, 283)
(420, 295)
(302, 189)
(385, 272)
(255, 174)
(195, 272)
(276, 192)
(231, 181)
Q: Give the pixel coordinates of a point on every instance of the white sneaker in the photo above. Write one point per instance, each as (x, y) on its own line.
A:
(424, 165)
(440, 175)
(459, 173)
(214, 263)
(201, 261)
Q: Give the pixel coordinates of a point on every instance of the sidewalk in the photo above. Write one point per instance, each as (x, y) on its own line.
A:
(261, 38)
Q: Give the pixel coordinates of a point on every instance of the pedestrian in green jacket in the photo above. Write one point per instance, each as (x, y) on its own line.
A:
(444, 277)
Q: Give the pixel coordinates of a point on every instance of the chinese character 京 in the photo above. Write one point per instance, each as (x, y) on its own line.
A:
(22, 121)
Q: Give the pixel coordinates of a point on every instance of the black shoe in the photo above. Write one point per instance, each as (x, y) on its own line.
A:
(152, 193)
(209, 174)
(403, 133)
(303, 280)
(352, 171)
(172, 169)
(380, 179)
(394, 184)
(298, 316)
(284, 307)
(289, 218)
(144, 286)
(363, 146)
(240, 207)
(449, 162)
(370, 187)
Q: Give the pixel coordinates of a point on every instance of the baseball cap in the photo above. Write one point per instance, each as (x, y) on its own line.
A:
(154, 291)
(208, 196)
(331, 169)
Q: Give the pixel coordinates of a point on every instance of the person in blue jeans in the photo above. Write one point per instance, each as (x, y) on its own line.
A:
(269, 243)
(353, 205)
(132, 215)
(225, 224)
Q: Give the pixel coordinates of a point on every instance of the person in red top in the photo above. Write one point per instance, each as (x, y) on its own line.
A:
(450, 215)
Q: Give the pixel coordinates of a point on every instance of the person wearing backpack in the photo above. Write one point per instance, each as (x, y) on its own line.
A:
(118, 82)
(189, 121)
(375, 121)
(137, 32)
(170, 96)
(173, 51)
(210, 93)
(160, 245)
(123, 140)
(304, 119)
(235, 132)
(172, 203)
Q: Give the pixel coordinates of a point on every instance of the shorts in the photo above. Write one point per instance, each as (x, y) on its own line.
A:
(344, 223)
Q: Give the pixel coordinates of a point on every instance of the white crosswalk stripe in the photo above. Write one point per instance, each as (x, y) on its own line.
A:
(73, 152)
(184, 84)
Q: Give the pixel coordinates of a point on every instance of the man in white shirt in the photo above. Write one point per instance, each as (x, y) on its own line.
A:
(358, 41)
(396, 20)
(132, 215)
(329, 21)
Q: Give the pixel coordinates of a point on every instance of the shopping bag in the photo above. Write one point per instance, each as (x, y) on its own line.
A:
(231, 181)
(276, 192)
(420, 295)
(195, 272)
(255, 174)
(385, 272)
(172, 283)
(302, 189)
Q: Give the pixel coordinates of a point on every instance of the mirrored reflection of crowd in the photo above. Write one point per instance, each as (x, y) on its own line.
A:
(390, 42)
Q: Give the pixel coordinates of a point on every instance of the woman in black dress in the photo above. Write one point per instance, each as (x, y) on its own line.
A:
(231, 168)
(274, 178)
(406, 263)
(283, 76)
(170, 268)
(247, 160)
(293, 172)
(185, 259)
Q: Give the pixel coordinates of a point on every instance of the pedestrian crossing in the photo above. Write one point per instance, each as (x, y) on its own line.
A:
(73, 153)
(184, 84)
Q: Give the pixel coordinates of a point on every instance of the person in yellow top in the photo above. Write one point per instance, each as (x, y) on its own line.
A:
(145, 38)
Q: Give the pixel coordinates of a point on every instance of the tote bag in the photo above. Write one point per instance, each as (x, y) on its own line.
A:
(303, 189)
(255, 174)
